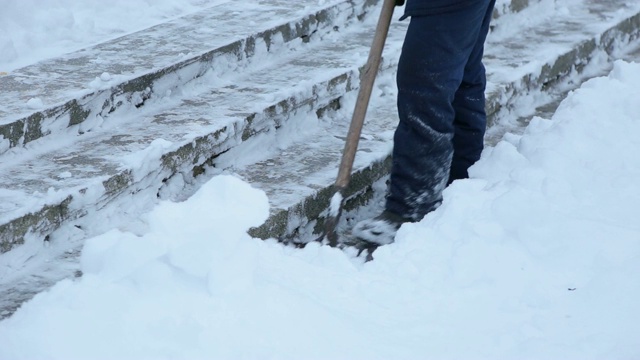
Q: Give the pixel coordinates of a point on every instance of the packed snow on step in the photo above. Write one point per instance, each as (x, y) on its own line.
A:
(536, 256)
(34, 30)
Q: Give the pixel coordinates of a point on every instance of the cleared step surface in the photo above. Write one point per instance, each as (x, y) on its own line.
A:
(192, 130)
(547, 51)
(71, 89)
(48, 97)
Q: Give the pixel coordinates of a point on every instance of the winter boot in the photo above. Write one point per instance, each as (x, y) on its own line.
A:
(380, 230)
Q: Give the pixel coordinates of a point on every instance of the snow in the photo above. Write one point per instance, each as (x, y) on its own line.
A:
(31, 30)
(336, 204)
(35, 103)
(533, 257)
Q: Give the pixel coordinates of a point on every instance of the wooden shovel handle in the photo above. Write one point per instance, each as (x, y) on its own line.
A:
(364, 94)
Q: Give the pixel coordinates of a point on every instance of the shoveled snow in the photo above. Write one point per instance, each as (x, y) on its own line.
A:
(535, 257)
(35, 103)
(335, 205)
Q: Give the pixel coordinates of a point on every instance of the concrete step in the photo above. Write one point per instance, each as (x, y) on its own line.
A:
(92, 169)
(58, 95)
(503, 7)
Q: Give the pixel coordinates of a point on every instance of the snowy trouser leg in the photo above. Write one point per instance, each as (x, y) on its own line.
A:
(441, 85)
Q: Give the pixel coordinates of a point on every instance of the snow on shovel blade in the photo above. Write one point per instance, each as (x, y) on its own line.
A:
(331, 236)
(331, 222)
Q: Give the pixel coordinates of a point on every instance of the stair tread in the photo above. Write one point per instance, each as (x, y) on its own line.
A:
(69, 86)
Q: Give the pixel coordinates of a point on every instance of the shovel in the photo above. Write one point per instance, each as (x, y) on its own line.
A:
(353, 137)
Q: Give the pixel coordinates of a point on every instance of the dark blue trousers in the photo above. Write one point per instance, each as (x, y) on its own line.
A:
(441, 105)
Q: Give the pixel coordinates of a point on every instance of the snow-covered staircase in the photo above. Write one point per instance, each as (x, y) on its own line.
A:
(76, 140)
(265, 94)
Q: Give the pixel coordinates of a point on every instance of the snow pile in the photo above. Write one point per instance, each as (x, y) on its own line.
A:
(33, 30)
(534, 257)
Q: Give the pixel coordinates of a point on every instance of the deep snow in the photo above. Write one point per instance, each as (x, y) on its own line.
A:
(536, 256)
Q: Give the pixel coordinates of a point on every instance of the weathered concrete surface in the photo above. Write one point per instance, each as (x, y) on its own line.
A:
(93, 163)
(178, 51)
(582, 48)
(512, 6)
(150, 62)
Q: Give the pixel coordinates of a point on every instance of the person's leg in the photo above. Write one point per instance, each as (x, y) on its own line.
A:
(469, 107)
(430, 71)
